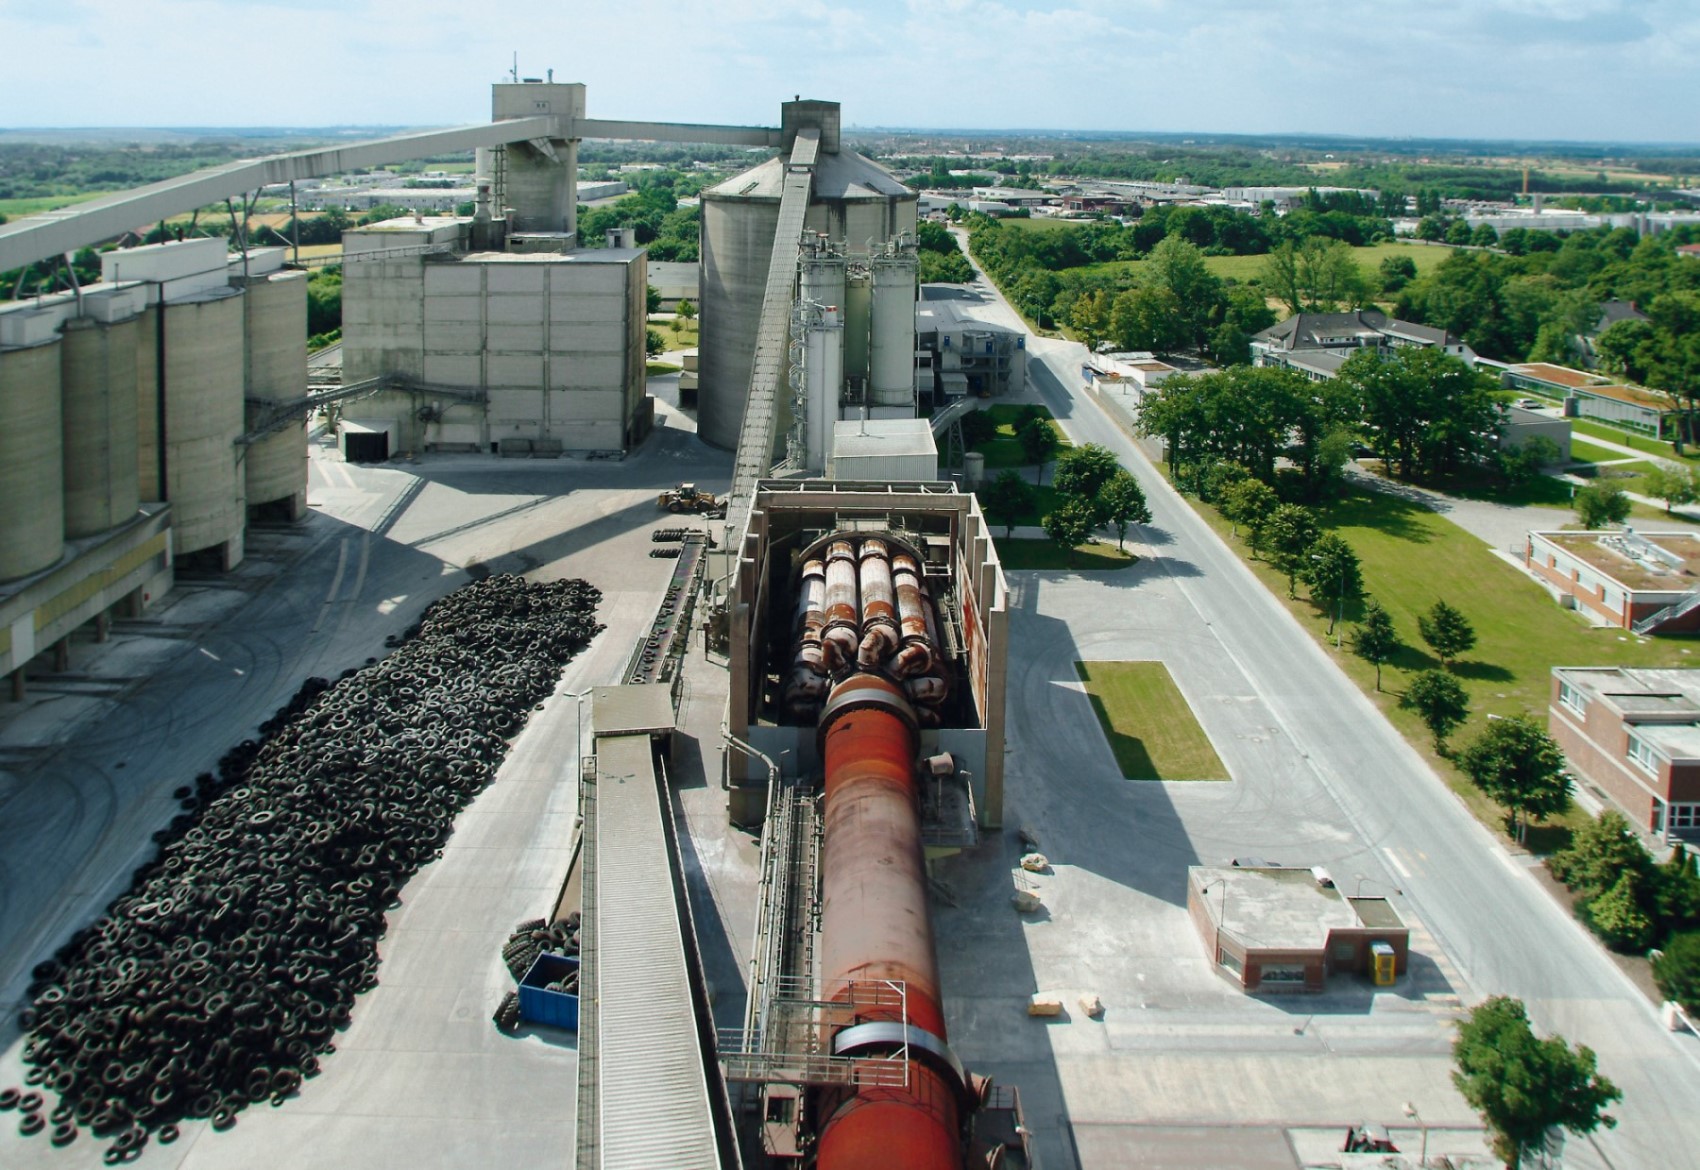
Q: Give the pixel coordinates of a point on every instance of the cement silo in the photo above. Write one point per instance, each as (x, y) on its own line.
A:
(99, 382)
(276, 470)
(203, 361)
(854, 202)
(891, 337)
(32, 515)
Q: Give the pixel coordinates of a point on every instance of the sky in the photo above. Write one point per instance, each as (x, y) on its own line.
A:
(1603, 70)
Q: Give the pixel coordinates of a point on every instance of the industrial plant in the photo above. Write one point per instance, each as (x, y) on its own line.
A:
(853, 598)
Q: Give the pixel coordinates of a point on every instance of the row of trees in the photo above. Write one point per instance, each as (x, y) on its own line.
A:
(941, 261)
(1424, 413)
(1097, 492)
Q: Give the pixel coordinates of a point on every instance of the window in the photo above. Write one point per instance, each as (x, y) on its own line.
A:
(1231, 963)
(1642, 753)
(1572, 698)
(1684, 818)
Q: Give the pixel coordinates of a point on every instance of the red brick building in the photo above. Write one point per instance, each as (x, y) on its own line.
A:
(1277, 928)
(1648, 582)
(1634, 737)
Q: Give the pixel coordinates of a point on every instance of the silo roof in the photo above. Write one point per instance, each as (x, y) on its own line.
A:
(846, 175)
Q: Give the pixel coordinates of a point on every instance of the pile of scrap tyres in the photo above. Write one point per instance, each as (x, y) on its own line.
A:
(222, 975)
(537, 937)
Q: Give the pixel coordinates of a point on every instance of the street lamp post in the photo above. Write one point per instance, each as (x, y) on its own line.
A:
(1411, 1112)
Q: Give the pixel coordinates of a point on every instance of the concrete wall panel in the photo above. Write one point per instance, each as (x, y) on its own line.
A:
(527, 339)
(606, 338)
(452, 369)
(454, 337)
(449, 279)
(445, 308)
(517, 371)
(586, 310)
(514, 278)
(516, 310)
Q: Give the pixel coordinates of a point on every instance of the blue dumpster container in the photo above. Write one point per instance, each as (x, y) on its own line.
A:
(537, 1005)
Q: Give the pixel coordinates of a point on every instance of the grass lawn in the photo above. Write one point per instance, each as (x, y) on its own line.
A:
(1244, 268)
(684, 337)
(651, 369)
(1148, 722)
(1002, 451)
(1593, 453)
(1044, 554)
(1629, 439)
(1413, 557)
(36, 204)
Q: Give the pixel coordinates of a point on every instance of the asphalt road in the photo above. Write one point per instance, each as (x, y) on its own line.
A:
(1503, 932)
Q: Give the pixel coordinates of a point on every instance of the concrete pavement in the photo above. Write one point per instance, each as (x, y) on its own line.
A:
(1319, 776)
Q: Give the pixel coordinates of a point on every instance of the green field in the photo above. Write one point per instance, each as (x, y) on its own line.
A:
(1149, 725)
(18, 208)
(1629, 439)
(1582, 449)
(1044, 554)
(1413, 557)
(1244, 268)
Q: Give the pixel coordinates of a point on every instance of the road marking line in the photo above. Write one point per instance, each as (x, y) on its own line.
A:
(1393, 860)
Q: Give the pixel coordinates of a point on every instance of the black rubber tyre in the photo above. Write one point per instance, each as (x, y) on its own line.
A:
(64, 1133)
(30, 1124)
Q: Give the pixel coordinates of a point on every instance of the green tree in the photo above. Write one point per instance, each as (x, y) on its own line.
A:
(1148, 318)
(1600, 851)
(1620, 917)
(1600, 504)
(1522, 463)
(1396, 272)
(1424, 412)
(1007, 499)
(1670, 485)
(1177, 267)
(1070, 526)
(1375, 640)
(1677, 970)
(1447, 632)
(1122, 502)
(1440, 701)
(653, 343)
(1083, 471)
(1332, 572)
(1291, 533)
(1515, 762)
(1038, 441)
(686, 310)
(1524, 1086)
(1316, 275)
(1676, 890)
(1251, 502)
(1333, 452)
(1223, 476)
(652, 297)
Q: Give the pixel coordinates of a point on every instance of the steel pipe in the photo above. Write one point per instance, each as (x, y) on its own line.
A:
(838, 644)
(876, 929)
(919, 654)
(879, 610)
(807, 684)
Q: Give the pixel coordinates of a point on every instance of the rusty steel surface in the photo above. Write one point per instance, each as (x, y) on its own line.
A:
(842, 611)
(917, 656)
(876, 925)
(879, 611)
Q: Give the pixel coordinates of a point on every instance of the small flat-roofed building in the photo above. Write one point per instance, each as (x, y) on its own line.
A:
(1648, 582)
(1593, 396)
(1278, 928)
(1137, 370)
(1633, 736)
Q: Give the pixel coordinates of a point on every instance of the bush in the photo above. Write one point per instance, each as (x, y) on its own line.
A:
(1600, 852)
(977, 428)
(1677, 971)
(1619, 917)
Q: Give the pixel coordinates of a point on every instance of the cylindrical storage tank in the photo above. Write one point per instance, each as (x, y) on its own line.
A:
(853, 198)
(276, 315)
(973, 468)
(824, 367)
(99, 382)
(891, 341)
(858, 302)
(32, 491)
(204, 359)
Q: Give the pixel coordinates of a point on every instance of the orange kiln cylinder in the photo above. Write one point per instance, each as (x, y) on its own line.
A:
(876, 925)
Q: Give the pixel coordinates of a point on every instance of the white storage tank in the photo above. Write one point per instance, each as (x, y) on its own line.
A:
(32, 496)
(891, 342)
(99, 380)
(203, 360)
(276, 469)
(854, 201)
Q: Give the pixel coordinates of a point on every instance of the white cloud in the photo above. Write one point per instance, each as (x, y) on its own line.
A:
(1523, 68)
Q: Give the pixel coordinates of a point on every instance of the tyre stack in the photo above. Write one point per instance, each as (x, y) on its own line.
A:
(222, 975)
